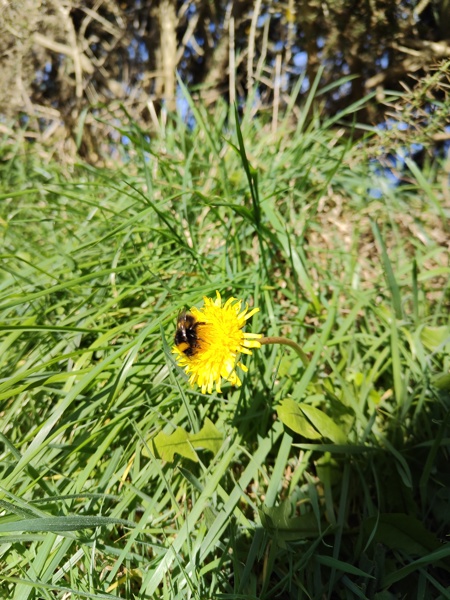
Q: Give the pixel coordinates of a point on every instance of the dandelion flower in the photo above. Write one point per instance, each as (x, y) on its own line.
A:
(210, 339)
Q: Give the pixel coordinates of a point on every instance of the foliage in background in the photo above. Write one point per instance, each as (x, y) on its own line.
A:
(66, 63)
(322, 480)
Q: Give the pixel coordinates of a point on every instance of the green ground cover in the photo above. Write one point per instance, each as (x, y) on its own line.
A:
(326, 478)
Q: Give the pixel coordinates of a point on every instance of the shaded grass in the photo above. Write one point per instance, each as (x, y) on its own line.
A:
(96, 266)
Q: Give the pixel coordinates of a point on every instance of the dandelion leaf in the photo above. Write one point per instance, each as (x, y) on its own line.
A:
(185, 444)
(442, 381)
(175, 443)
(208, 438)
(403, 532)
(279, 522)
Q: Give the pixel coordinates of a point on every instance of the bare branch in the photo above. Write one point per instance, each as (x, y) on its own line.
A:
(54, 46)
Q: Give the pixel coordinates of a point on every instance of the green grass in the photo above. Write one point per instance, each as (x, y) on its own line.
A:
(325, 480)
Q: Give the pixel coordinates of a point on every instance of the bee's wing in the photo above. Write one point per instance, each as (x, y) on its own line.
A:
(181, 319)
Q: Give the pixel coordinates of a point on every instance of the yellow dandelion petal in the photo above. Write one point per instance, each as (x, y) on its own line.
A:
(209, 341)
(251, 313)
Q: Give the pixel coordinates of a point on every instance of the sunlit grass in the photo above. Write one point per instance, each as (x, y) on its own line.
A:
(96, 266)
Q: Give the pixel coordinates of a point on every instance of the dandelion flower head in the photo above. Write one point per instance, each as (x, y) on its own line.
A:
(219, 340)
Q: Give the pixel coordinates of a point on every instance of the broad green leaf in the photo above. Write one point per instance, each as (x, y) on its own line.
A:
(183, 443)
(208, 438)
(277, 520)
(290, 415)
(309, 421)
(167, 445)
(399, 531)
(435, 337)
(324, 424)
(442, 381)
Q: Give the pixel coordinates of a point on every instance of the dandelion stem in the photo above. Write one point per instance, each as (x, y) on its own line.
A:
(286, 342)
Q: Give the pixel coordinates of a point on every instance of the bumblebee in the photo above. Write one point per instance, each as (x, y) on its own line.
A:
(187, 334)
